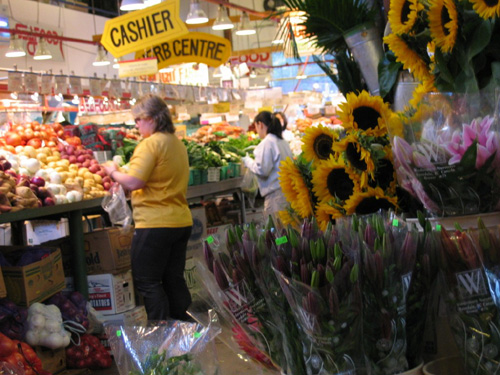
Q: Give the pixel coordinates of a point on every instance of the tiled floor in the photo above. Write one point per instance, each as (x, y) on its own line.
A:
(229, 362)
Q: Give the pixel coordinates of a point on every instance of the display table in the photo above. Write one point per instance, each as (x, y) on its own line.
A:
(76, 211)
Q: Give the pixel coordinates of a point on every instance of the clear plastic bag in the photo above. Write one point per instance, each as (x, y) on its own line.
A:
(162, 347)
(117, 207)
(250, 186)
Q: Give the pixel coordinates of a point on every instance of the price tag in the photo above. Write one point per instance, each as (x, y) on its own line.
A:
(281, 240)
(210, 239)
(395, 222)
(197, 335)
(438, 227)
(118, 333)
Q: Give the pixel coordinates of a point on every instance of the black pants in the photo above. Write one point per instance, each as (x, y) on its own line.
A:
(158, 262)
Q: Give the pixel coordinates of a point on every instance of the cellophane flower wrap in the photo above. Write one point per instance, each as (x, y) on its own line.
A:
(387, 259)
(319, 275)
(164, 347)
(239, 292)
(447, 153)
(470, 268)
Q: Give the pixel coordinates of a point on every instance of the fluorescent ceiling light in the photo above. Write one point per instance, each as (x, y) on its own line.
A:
(196, 15)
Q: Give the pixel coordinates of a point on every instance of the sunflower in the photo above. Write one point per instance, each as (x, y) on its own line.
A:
(333, 180)
(395, 126)
(288, 174)
(364, 112)
(384, 176)
(302, 205)
(420, 91)
(443, 23)
(317, 142)
(326, 213)
(408, 57)
(369, 202)
(357, 156)
(486, 9)
(403, 14)
(287, 218)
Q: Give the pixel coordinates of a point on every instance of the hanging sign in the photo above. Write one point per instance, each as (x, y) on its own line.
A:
(143, 28)
(256, 56)
(30, 42)
(135, 68)
(194, 47)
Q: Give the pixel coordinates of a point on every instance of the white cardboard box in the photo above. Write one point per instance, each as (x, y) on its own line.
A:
(5, 234)
(36, 232)
(108, 293)
(136, 316)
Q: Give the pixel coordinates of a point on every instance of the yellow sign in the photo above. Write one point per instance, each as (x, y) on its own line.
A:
(135, 68)
(221, 107)
(193, 47)
(143, 28)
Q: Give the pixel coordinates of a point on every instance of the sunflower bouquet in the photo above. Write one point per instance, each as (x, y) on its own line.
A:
(451, 43)
(343, 172)
(471, 273)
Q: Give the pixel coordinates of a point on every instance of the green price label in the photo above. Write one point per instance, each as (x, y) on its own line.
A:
(210, 239)
(438, 227)
(281, 240)
(118, 333)
(197, 335)
(395, 222)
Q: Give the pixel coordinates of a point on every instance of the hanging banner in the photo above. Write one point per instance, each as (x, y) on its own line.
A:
(194, 47)
(135, 68)
(261, 56)
(143, 29)
(30, 42)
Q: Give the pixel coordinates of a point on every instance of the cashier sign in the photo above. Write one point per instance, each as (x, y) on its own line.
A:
(159, 32)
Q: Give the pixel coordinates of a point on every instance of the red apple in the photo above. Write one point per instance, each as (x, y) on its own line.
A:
(80, 158)
(94, 168)
(106, 179)
(106, 185)
(93, 161)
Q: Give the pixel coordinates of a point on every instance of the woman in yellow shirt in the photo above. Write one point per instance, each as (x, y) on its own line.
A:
(158, 179)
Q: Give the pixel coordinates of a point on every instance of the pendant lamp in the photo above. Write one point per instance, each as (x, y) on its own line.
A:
(101, 59)
(222, 22)
(128, 5)
(42, 51)
(15, 47)
(244, 27)
(196, 15)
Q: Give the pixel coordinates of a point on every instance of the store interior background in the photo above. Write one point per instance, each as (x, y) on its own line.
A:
(78, 57)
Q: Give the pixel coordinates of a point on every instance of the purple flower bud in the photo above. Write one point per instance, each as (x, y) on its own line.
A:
(220, 276)
(333, 302)
(305, 274)
(208, 255)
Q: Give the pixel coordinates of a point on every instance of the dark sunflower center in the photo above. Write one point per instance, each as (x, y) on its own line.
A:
(491, 3)
(366, 117)
(372, 204)
(384, 175)
(354, 157)
(339, 184)
(323, 146)
(445, 18)
(405, 11)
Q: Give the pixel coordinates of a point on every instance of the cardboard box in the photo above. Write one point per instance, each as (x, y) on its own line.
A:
(106, 251)
(35, 282)
(36, 232)
(53, 361)
(199, 231)
(5, 235)
(108, 293)
(3, 289)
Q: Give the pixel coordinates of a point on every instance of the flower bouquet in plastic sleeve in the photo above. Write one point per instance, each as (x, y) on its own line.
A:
(447, 153)
(237, 292)
(319, 275)
(470, 268)
(387, 259)
(164, 347)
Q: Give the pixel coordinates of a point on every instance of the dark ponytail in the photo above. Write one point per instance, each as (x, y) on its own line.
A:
(272, 123)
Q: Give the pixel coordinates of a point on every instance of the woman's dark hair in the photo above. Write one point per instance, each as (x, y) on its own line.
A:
(284, 122)
(272, 123)
(156, 108)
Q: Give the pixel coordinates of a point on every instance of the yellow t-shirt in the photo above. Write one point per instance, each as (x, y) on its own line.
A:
(162, 161)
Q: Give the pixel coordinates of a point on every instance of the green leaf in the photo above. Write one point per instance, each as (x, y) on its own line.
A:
(388, 69)
(468, 161)
(480, 39)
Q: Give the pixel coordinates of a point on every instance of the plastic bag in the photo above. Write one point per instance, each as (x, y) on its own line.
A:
(117, 207)
(250, 186)
(172, 347)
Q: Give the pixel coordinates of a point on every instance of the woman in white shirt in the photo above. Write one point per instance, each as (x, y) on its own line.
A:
(268, 156)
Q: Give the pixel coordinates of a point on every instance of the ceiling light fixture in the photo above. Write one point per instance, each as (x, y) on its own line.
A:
(196, 15)
(15, 47)
(244, 27)
(129, 5)
(222, 22)
(42, 51)
(152, 2)
(101, 58)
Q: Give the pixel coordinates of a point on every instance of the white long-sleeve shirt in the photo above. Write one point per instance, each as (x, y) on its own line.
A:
(268, 156)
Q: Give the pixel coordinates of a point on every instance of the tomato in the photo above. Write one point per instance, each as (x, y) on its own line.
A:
(28, 133)
(74, 141)
(35, 142)
(19, 129)
(43, 134)
(29, 354)
(7, 346)
(60, 133)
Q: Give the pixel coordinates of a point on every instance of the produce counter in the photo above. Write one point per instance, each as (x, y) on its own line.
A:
(75, 212)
